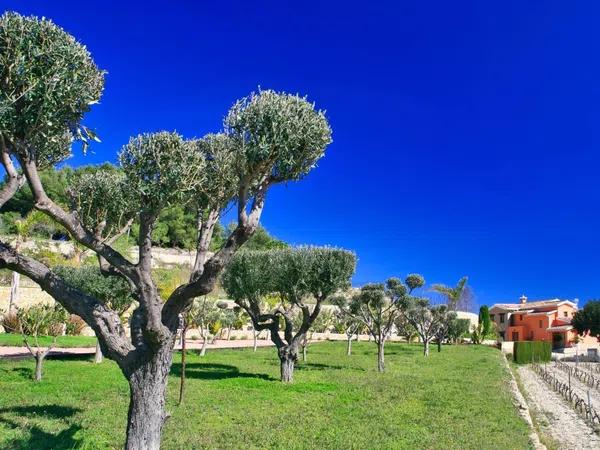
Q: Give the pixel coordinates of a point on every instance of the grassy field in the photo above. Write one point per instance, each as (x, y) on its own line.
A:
(456, 399)
(8, 339)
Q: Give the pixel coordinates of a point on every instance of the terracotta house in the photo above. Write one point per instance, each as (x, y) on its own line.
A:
(543, 320)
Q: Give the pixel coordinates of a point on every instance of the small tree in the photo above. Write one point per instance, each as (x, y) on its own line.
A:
(41, 320)
(424, 318)
(205, 316)
(294, 275)
(377, 306)
(404, 328)
(587, 320)
(458, 328)
(321, 324)
(444, 317)
(200, 314)
(346, 324)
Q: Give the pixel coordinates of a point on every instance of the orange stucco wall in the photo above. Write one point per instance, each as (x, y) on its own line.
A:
(534, 327)
(530, 327)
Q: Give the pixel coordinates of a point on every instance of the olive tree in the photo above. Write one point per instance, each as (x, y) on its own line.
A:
(37, 321)
(295, 275)
(444, 317)
(348, 325)
(321, 324)
(199, 314)
(424, 318)
(458, 328)
(377, 306)
(48, 81)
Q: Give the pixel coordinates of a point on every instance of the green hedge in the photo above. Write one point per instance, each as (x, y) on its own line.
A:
(532, 351)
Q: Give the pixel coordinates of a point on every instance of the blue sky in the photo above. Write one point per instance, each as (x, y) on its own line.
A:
(465, 133)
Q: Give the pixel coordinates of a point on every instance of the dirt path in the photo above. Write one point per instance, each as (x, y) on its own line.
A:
(20, 352)
(555, 416)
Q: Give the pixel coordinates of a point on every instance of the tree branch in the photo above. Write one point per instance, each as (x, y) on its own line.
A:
(205, 233)
(104, 322)
(71, 222)
(247, 224)
(15, 180)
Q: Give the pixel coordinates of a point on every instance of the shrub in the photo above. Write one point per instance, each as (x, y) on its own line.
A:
(10, 322)
(74, 325)
(233, 338)
(532, 351)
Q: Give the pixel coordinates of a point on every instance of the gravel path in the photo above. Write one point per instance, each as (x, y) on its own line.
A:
(555, 416)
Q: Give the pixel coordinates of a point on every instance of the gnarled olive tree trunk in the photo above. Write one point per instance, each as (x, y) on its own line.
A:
(425, 347)
(147, 387)
(288, 355)
(349, 345)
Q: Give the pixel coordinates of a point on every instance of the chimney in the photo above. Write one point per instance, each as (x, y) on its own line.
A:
(523, 299)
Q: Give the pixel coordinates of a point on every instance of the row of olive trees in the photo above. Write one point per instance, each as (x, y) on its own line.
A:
(382, 308)
(48, 82)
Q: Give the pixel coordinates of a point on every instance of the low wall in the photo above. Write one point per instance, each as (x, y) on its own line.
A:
(28, 295)
(507, 347)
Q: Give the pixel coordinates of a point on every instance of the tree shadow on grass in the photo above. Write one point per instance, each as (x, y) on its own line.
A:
(21, 372)
(35, 437)
(212, 371)
(320, 366)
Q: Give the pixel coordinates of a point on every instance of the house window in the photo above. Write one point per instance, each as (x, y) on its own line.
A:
(492, 317)
(521, 317)
(566, 314)
(541, 324)
(501, 317)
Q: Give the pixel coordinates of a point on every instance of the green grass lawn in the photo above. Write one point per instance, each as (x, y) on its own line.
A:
(9, 339)
(457, 399)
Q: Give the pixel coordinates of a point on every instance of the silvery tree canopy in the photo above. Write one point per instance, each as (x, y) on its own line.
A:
(48, 81)
(299, 279)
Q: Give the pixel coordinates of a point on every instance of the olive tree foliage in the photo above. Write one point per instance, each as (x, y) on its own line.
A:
(404, 328)
(377, 306)
(443, 317)
(40, 320)
(458, 328)
(321, 324)
(295, 276)
(426, 319)
(346, 324)
(48, 81)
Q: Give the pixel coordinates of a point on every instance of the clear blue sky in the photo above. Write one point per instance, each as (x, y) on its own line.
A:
(466, 133)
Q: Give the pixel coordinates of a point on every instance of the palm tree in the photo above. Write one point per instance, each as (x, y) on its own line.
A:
(453, 294)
